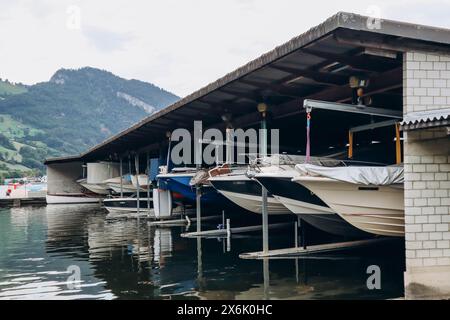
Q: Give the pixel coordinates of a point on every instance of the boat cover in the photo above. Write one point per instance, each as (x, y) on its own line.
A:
(358, 175)
(200, 177)
(287, 159)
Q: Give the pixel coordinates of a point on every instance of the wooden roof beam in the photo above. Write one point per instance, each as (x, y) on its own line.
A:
(249, 96)
(319, 77)
(369, 64)
(278, 88)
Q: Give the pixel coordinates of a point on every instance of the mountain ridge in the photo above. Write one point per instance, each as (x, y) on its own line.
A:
(74, 110)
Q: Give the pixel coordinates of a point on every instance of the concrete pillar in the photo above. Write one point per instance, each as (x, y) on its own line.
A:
(61, 177)
(426, 86)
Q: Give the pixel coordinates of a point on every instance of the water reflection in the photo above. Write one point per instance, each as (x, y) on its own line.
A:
(130, 260)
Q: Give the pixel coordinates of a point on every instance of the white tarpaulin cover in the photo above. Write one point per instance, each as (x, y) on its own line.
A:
(358, 175)
(287, 159)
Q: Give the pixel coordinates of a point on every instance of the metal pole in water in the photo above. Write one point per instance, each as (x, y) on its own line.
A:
(265, 221)
(262, 108)
(121, 182)
(198, 134)
(266, 275)
(199, 262)
(302, 233)
(228, 228)
(136, 164)
(198, 195)
(296, 234)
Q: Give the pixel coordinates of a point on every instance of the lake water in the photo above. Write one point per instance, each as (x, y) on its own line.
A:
(42, 250)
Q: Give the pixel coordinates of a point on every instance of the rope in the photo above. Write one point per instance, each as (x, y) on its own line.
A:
(398, 145)
(350, 144)
(308, 142)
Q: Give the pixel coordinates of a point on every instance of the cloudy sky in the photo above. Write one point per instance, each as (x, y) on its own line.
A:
(179, 45)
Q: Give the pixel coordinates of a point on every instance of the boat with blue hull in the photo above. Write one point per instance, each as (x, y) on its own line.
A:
(179, 183)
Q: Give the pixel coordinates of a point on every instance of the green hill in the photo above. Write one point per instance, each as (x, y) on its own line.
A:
(7, 89)
(73, 111)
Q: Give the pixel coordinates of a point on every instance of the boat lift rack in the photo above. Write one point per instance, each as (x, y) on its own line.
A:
(309, 105)
(314, 249)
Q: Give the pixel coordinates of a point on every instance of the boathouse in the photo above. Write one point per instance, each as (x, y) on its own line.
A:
(400, 67)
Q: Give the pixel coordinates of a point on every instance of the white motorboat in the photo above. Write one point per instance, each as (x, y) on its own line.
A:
(305, 204)
(369, 198)
(143, 181)
(127, 186)
(97, 173)
(97, 188)
(128, 204)
(69, 198)
(246, 192)
(275, 173)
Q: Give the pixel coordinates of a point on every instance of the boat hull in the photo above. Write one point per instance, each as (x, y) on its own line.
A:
(254, 203)
(185, 193)
(246, 193)
(374, 209)
(70, 199)
(300, 201)
(126, 188)
(101, 189)
(142, 179)
(126, 204)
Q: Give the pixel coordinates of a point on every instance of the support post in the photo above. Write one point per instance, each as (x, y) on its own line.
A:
(129, 164)
(199, 262)
(198, 134)
(262, 108)
(138, 188)
(296, 234)
(266, 275)
(302, 233)
(229, 146)
(121, 178)
(198, 195)
(265, 221)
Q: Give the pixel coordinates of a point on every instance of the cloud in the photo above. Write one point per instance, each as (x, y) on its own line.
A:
(105, 40)
(178, 45)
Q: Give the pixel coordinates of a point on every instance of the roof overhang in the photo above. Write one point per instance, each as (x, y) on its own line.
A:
(313, 65)
(426, 119)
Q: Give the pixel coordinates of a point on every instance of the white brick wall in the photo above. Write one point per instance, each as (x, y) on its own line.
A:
(426, 86)
(427, 197)
(426, 81)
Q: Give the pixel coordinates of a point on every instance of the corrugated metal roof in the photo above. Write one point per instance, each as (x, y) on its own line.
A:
(426, 119)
